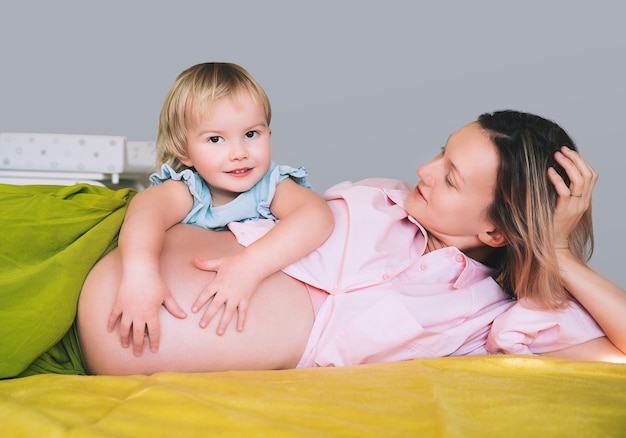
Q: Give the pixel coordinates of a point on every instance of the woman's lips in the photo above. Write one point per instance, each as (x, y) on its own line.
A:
(419, 194)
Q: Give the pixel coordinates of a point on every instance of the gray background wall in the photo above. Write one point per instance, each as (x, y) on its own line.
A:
(358, 88)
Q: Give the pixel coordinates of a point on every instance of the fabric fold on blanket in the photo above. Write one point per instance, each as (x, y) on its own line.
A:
(476, 396)
(51, 238)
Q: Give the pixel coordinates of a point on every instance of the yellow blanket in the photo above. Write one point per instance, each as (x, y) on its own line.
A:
(499, 396)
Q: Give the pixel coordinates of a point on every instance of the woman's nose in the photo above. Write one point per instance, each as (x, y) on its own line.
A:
(425, 173)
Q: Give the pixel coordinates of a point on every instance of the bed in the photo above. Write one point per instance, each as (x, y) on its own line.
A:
(51, 237)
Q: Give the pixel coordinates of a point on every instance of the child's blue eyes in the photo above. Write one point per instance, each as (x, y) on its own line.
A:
(214, 139)
(251, 134)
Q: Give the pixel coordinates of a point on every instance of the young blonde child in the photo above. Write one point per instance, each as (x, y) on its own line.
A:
(213, 144)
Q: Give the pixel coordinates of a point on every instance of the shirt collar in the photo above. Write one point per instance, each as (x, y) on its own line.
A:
(471, 271)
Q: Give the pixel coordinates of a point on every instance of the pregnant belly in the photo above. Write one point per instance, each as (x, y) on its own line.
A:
(279, 321)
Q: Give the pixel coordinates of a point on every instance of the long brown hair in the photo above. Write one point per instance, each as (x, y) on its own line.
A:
(524, 204)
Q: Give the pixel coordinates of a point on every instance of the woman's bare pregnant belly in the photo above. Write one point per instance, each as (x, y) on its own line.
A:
(278, 324)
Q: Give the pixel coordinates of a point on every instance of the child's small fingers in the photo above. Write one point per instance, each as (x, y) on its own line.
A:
(227, 317)
(211, 311)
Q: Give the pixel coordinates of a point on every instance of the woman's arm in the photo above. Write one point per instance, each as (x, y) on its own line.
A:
(603, 299)
(599, 349)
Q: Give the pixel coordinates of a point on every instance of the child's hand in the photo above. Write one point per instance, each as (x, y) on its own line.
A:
(232, 288)
(137, 305)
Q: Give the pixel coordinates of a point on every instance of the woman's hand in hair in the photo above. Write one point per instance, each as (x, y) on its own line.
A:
(574, 200)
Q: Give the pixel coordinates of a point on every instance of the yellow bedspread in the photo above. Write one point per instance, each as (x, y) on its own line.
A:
(499, 396)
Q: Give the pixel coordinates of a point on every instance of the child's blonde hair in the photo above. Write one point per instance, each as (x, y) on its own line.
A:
(191, 97)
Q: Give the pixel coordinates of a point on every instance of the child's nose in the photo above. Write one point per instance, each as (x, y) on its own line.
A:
(238, 151)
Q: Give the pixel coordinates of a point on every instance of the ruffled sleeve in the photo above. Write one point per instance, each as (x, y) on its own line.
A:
(250, 205)
(200, 212)
(197, 186)
(266, 188)
(525, 330)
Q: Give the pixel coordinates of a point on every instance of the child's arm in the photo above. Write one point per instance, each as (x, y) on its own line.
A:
(305, 221)
(142, 290)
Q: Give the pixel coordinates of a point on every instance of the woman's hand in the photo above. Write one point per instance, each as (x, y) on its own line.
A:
(574, 200)
(603, 299)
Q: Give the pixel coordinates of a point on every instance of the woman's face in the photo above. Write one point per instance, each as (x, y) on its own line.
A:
(456, 188)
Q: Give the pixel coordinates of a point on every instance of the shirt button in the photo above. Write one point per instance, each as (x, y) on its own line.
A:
(459, 258)
(424, 267)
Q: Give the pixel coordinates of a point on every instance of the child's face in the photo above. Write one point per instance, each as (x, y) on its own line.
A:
(230, 148)
(456, 188)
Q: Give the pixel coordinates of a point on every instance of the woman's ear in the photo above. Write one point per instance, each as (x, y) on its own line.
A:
(493, 238)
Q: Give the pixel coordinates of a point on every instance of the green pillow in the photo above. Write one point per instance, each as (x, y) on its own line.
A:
(50, 238)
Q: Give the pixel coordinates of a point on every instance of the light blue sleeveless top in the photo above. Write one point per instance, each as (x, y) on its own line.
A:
(249, 205)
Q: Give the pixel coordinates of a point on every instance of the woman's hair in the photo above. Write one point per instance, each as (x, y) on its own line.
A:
(524, 204)
(191, 98)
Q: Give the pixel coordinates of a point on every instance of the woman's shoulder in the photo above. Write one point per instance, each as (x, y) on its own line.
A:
(388, 186)
(381, 183)
(527, 329)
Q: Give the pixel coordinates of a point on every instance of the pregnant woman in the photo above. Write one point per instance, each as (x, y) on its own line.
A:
(485, 255)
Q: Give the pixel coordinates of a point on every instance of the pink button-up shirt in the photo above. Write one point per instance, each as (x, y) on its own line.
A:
(389, 301)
